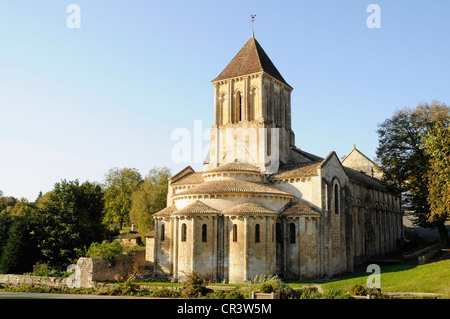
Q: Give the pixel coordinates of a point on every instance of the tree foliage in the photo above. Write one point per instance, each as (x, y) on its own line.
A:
(108, 250)
(70, 217)
(402, 157)
(6, 203)
(20, 250)
(120, 184)
(18, 244)
(149, 198)
(437, 145)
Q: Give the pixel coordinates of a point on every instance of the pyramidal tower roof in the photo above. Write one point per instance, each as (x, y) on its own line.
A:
(250, 59)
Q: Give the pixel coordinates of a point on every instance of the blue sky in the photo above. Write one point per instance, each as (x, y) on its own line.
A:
(76, 102)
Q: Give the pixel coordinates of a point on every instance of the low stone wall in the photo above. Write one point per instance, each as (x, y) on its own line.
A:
(88, 272)
(92, 270)
(19, 280)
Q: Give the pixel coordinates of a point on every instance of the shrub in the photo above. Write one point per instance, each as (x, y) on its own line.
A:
(262, 283)
(333, 293)
(357, 290)
(266, 288)
(376, 293)
(109, 251)
(166, 293)
(235, 294)
(217, 294)
(195, 286)
(40, 270)
(308, 294)
(128, 287)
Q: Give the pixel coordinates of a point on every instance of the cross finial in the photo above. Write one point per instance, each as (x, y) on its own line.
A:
(253, 16)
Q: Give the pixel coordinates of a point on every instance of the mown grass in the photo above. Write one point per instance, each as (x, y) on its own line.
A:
(408, 277)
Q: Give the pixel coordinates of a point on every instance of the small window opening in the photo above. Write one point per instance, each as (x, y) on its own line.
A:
(257, 234)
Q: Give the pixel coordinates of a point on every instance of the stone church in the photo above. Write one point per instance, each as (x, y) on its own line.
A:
(262, 206)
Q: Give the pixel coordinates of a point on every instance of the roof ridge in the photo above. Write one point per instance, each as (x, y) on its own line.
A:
(265, 57)
(302, 208)
(251, 58)
(197, 207)
(357, 150)
(257, 52)
(235, 166)
(248, 208)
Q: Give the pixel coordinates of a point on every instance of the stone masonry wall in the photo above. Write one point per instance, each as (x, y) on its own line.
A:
(18, 280)
(99, 269)
(90, 271)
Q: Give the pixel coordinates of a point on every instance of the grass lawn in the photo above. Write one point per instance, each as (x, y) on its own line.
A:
(408, 277)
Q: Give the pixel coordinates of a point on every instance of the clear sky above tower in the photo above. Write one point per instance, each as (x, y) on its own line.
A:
(75, 102)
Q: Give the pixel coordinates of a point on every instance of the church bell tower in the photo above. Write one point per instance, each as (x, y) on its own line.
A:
(252, 113)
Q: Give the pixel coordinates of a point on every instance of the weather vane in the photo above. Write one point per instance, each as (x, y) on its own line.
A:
(253, 16)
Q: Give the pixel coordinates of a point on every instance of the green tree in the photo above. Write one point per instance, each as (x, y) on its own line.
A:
(20, 251)
(402, 157)
(437, 145)
(20, 207)
(7, 203)
(120, 184)
(5, 225)
(149, 198)
(69, 218)
(41, 200)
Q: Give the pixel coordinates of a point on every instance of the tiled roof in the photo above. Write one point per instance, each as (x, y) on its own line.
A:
(182, 173)
(166, 211)
(301, 208)
(248, 208)
(150, 234)
(128, 236)
(297, 171)
(195, 209)
(233, 186)
(232, 167)
(191, 178)
(361, 177)
(250, 59)
(309, 156)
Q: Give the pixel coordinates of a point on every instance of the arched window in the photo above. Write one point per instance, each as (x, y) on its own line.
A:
(336, 199)
(222, 111)
(183, 232)
(204, 230)
(254, 110)
(163, 228)
(278, 233)
(276, 109)
(268, 106)
(238, 106)
(257, 234)
(292, 233)
(234, 232)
